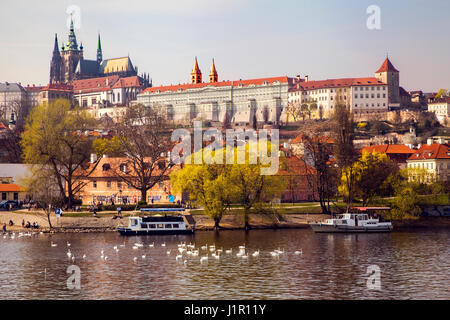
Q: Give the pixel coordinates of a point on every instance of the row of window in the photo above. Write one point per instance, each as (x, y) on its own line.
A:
(120, 185)
(361, 96)
(160, 226)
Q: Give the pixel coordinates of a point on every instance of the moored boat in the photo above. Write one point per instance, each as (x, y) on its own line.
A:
(354, 222)
(158, 224)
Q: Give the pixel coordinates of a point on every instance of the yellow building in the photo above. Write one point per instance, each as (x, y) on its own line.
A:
(434, 159)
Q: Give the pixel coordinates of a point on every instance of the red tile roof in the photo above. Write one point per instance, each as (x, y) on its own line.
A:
(433, 151)
(390, 149)
(127, 82)
(336, 83)
(387, 66)
(58, 87)
(237, 83)
(94, 84)
(33, 88)
(10, 187)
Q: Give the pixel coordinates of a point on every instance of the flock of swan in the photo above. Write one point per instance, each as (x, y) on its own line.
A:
(182, 252)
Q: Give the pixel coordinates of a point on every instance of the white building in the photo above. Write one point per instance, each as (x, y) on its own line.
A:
(241, 101)
(373, 95)
(363, 95)
(106, 92)
(12, 97)
(441, 107)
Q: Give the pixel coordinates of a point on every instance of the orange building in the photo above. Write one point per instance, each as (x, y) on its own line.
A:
(105, 185)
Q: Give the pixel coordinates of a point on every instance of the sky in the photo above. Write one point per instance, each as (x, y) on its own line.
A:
(248, 39)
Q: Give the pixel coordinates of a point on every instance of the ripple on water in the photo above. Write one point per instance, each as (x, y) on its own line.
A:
(414, 265)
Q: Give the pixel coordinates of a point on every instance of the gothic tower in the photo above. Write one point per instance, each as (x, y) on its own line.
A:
(213, 77)
(55, 64)
(70, 56)
(391, 76)
(99, 51)
(196, 74)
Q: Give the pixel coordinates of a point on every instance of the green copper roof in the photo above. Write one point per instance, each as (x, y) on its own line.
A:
(72, 42)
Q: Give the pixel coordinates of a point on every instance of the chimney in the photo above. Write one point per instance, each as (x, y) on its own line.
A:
(306, 78)
(298, 78)
(93, 157)
(429, 141)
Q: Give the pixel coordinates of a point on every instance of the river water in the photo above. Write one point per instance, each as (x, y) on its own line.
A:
(412, 264)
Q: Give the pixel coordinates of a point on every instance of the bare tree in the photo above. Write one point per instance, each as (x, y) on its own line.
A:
(144, 143)
(42, 187)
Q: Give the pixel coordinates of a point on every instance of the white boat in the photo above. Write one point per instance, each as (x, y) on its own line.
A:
(353, 222)
(149, 225)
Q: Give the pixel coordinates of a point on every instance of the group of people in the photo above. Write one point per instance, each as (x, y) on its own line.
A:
(30, 225)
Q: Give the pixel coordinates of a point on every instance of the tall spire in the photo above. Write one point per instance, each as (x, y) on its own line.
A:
(99, 50)
(56, 47)
(72, 42)
(213, 77)
(196, 74)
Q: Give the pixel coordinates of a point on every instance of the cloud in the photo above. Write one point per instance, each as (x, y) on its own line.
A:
(193, 8)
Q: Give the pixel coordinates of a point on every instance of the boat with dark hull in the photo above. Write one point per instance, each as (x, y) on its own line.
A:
(353, 223)
(158, 224)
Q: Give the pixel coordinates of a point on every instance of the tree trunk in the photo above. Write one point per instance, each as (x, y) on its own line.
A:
(144, 194)
(246, 220)
(216, 224)
(48, 212)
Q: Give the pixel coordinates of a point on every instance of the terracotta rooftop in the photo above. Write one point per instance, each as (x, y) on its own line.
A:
(58, 87)
(387, 66)
(336, 83)
(10, 187)
(237, 83)
(94, 84)
(433, 151)
(390, 149)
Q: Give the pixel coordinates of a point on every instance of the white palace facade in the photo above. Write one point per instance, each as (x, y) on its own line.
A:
(238, 102)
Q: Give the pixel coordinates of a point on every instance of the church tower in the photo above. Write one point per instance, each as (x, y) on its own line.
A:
(55, 64)
(213, 77)
(391, 76)
(196, 74)
(70, 56)
(99, 51)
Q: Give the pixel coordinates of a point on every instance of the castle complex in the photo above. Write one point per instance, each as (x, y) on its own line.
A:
(69, 64)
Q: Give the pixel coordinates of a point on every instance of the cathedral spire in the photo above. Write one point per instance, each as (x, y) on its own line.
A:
(196, 74)
(72, 42)
(56, 47)
(213, 77)
(99, 50)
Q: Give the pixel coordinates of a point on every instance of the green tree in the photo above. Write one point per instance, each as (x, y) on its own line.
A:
(55, 137)
(207, 185)
(406, 205)
(370, 172)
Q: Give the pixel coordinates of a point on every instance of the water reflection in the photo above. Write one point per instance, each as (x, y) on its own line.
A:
(414, 265)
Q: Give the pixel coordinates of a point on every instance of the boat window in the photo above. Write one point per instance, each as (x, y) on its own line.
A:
(160, 226)
(175, 225)
(344, 221)
(168, 226)
(152, 226)
(143, 225)
(133, 222)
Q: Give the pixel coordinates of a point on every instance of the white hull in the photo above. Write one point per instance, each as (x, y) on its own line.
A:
(326, 228)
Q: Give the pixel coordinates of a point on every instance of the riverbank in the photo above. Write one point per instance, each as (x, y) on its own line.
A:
(108, 222)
